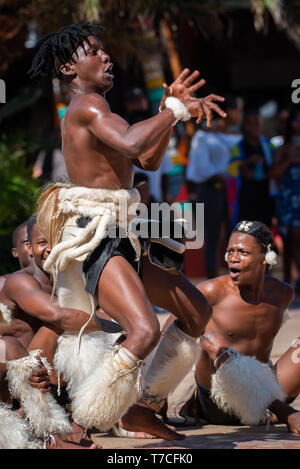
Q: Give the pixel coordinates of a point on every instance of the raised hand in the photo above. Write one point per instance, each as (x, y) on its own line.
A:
(203, 107)
(182, 89)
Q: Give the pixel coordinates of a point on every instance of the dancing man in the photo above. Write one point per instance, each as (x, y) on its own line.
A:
(100, 150)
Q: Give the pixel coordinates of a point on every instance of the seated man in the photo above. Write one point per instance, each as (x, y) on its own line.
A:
(19, 249)
(248, 311)
(37, 318)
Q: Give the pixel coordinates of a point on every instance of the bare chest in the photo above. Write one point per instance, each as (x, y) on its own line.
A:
(239, 321)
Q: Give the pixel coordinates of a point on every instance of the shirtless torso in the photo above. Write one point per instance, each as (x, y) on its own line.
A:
(246, 325)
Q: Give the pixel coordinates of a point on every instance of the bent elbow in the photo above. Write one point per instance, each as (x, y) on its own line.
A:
(133, 150)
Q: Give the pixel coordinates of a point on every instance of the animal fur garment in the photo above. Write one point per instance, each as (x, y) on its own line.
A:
(14, 431)
(106, 395)
(6, 314)
(176, 354)
(103, 206)
(76, 365)
(245, 387)
(41, 410)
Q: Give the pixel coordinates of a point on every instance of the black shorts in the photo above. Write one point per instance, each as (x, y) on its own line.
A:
(158, 254)
(209, 411)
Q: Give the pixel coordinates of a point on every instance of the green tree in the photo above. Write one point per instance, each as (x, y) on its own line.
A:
(18, 193)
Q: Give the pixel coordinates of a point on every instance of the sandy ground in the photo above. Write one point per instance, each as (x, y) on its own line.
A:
(223, 437)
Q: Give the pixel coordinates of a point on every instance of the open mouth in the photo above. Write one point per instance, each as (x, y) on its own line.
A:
(234, 272)
(108, 71)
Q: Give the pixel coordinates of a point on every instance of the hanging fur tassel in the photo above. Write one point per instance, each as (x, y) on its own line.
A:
(106, 395)
(15, 432)
(42, 411)
(245, 387)
(174, 358)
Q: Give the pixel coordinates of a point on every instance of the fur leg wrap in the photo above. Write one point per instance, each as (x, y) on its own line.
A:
(106, 395)
(6, 314)
(175, 356)
(41, 410)
(245, 387)
(76, 367)
(14, 431)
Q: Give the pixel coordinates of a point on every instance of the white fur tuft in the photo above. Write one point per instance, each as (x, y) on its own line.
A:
(14, 431)
(6, 313)
(179, 109)
(245, 388)
(271, 257)
(41, 410)
(175, 356)
(76, 366)
(106, 395)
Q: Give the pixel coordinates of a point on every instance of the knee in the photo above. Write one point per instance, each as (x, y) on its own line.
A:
(148, 335)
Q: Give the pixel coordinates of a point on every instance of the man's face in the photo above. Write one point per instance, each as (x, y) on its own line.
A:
(39, 248)
(246, 259)
(21, 251)
(93, 65)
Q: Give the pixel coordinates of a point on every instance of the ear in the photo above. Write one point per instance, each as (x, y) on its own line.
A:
(29, 249)
(14, 252)
(67, 69)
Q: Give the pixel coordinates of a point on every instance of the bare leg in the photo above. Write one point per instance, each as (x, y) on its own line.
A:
(180, 297)
(176, 294)
(121, 294)
(288, 370)
(288, 373)
(63, 444)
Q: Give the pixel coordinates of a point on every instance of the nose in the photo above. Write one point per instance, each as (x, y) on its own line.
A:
(104, 56)
(234, 257)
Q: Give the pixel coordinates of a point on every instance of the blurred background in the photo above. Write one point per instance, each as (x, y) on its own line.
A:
(247, 50)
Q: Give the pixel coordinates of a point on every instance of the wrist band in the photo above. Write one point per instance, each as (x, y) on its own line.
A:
(179, 109)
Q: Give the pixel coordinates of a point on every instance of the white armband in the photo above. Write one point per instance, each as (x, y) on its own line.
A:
(179, 109)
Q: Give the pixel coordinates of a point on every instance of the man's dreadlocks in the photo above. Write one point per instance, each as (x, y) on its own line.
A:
(56, 49)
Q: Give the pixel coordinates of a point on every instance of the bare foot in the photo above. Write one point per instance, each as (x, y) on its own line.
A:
(79, 436)
(61, 444)
(293, 422)
(140, 419)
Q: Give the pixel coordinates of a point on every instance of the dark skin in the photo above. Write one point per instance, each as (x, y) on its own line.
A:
(110, 146)
(100, 150)
(248, 309)
(248, 306)
(29, 296)
(27, 293)
(20, 251)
